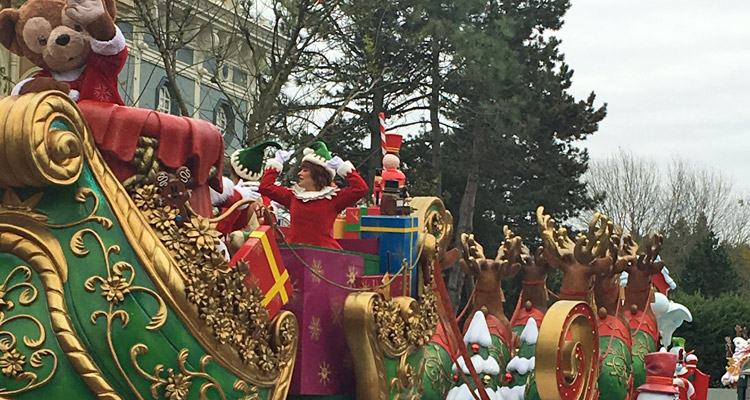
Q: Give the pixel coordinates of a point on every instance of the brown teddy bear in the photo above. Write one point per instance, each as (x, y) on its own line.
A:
(75, 42)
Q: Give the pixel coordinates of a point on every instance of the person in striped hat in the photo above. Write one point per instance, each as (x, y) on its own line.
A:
(247, 168)
(313, 201)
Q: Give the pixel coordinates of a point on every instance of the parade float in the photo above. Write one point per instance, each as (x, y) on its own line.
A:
(118, 285)
(114, 286)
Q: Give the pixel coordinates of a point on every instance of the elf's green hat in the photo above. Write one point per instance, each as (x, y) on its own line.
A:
(247, 163)
(318, 154)
(678, 341)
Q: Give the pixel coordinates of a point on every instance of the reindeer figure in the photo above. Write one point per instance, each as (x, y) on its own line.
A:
(534, 295)
(581, 261)
(607, 288)
(592, 264)
(615, 339)
(489, 274)
(638, 297)
(638, 291)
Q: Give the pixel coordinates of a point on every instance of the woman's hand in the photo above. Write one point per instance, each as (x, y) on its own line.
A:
(335, 163)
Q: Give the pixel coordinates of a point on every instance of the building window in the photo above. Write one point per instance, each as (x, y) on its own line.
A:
(221, 120)
(224, 119)
(164, 100)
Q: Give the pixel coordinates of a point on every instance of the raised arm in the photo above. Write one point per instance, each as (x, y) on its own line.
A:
(357, 189)
(270, 189)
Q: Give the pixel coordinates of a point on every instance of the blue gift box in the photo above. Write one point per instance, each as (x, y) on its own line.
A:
(398, 241)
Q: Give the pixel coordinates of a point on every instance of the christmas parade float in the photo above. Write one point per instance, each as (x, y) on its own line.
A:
(120, 281)
(116, 286)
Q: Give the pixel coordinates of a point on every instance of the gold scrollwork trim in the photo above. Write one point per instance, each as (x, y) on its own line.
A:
(159, 264)
(369, 363)
(376, 327)
(25, 238)
(435, 227)
(177, 384)
(34, 151)
(12, 362)
(284, 327)
(568, 344)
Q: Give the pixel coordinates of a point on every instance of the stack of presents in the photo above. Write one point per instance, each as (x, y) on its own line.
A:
(374, 246)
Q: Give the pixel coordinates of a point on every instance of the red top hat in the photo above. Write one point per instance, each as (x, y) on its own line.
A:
(393, 142)
(660, 368)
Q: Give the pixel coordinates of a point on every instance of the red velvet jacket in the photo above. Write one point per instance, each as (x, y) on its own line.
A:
(97, 80)
(313, 213)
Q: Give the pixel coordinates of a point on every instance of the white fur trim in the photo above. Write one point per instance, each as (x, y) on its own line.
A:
(17, 89)
(274, 164)
(345, 169)
(222, 248)
(110, 47)
(228, 189)
(74, 94)
(68, 76)
(317, 160)
(241, 170)
(309, 195)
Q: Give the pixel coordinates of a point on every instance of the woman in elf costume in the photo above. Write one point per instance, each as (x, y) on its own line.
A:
(313, 202)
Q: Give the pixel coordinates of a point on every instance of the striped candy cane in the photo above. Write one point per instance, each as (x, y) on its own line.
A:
(382, 132)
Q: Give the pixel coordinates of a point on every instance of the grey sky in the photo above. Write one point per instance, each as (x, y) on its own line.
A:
(675, 75)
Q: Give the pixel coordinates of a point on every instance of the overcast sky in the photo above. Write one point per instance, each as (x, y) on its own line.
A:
(674, 73)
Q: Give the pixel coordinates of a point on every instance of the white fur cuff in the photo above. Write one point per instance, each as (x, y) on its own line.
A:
(274, 164)
(345, 168)
(110, 47)
(227, 191)
(17, 89)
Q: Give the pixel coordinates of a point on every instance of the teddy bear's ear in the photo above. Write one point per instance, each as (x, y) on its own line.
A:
(8, 20)
(111, 8)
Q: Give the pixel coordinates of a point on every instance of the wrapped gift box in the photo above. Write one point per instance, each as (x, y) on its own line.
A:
(323, 365)
(352, 219)
(338, 227)
(397, 236)
(367, 248)
(397, 284)
(267, 270)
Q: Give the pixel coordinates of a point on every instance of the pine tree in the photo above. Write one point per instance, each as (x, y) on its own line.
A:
(521, 367)
(485, 351)
(708, 269)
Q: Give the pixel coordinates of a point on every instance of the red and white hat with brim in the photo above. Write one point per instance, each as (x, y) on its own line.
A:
(660, 369)
(318, 154)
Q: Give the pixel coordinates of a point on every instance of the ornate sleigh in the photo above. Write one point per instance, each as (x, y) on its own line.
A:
(93, 303)
(105, 296)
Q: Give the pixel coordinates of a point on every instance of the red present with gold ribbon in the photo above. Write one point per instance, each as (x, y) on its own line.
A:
(267, 270)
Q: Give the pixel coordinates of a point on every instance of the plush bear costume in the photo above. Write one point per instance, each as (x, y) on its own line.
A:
(75, 42)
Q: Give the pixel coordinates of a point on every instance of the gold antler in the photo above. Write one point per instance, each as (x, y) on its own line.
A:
(627, 254)
(510, 250)
(598, 242)
(653, 247)
(647, 262)
(557, 244)
(473, 252)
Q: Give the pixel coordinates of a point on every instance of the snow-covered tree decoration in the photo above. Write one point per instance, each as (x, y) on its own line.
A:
(521, 367)
(484, 351)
